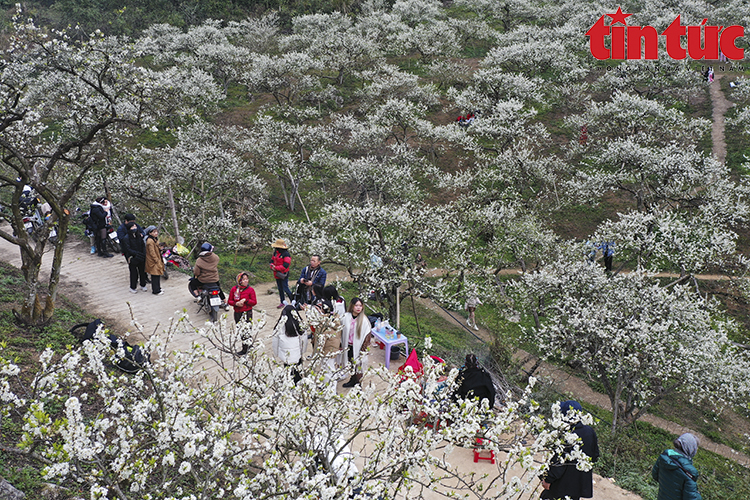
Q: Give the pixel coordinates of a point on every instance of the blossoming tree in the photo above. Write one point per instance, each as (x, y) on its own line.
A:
(642, 341)
(62, 102)
(245, 430)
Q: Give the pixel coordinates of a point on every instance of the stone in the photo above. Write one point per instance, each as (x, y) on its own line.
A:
(8, 492)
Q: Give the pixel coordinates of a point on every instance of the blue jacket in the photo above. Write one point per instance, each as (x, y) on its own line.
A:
(674, 484)
(320, 278)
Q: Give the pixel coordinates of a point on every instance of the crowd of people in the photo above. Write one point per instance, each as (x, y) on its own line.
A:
(341, 336)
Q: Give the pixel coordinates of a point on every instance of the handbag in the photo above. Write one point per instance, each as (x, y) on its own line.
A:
(282, 276)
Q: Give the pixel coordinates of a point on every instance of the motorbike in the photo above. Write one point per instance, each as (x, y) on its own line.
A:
(112, 241)
(207, 297)
(30, 212)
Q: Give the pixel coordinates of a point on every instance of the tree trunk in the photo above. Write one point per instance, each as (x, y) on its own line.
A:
(283, 190)
(392, 298)
(54, 278)
(32, 312)
(176, 226)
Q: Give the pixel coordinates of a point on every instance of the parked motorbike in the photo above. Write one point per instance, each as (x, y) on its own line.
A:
(207, 297)
(30, 212)
(112, 241)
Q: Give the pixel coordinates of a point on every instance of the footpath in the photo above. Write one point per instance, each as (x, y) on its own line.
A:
(101, 287)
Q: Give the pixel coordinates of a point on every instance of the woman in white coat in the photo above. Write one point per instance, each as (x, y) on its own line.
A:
(356, 333)
(289, 341)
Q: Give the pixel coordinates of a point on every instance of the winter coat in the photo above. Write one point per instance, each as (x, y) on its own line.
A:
(289, 341)
(206, 268)
(122, 233)
(317, 276)
(236, 294)
(154, 262)
(476, 383)
(360, 358)
(674, 484)
(318, 279)
(133, 246)
(281, 261)
(99, 216)
(565, 478)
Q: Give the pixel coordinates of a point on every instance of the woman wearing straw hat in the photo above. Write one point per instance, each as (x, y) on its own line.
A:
(280, 262)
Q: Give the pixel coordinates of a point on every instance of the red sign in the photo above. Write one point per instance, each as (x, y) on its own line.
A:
(703, 41)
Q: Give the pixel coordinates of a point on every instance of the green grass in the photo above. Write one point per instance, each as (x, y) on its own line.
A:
(450, 340)
(23, 342)
(629, 456)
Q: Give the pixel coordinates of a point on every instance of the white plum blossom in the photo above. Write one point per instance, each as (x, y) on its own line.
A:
(635, 336)
(250, 431)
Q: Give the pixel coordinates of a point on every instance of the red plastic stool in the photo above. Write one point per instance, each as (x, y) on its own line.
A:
(478, 452)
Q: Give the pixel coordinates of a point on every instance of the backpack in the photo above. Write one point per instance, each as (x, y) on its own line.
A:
(134, 358)
(88, 222)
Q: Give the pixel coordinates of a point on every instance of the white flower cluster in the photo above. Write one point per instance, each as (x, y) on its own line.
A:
(169, 432)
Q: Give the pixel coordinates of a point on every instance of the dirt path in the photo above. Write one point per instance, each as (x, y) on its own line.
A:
(100, 286)
(720, 106)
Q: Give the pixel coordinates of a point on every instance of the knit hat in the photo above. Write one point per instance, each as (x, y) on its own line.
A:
(566, 406)
(149, 229)
(129, 217)
(239, 276)
(279, 244)
(688, 443)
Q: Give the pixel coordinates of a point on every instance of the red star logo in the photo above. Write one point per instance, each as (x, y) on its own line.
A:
(619, 17)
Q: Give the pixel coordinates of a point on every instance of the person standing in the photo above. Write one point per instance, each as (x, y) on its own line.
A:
(563, 479)
(356, 332)
(154, 262)
(242, 298)
(608, 252)
(280, 262)
(100, 219)
(471, 306)
(134, 248)
(311, 276)
(123, 232)
(674, 470)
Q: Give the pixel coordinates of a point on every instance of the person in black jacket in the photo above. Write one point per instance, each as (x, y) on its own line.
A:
(134, 248)
(563, 479)
(99, 215)
(122, 231)
(474, 381)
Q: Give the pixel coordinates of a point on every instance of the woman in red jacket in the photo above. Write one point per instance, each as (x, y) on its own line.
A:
(280, 262)
(242, 298)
